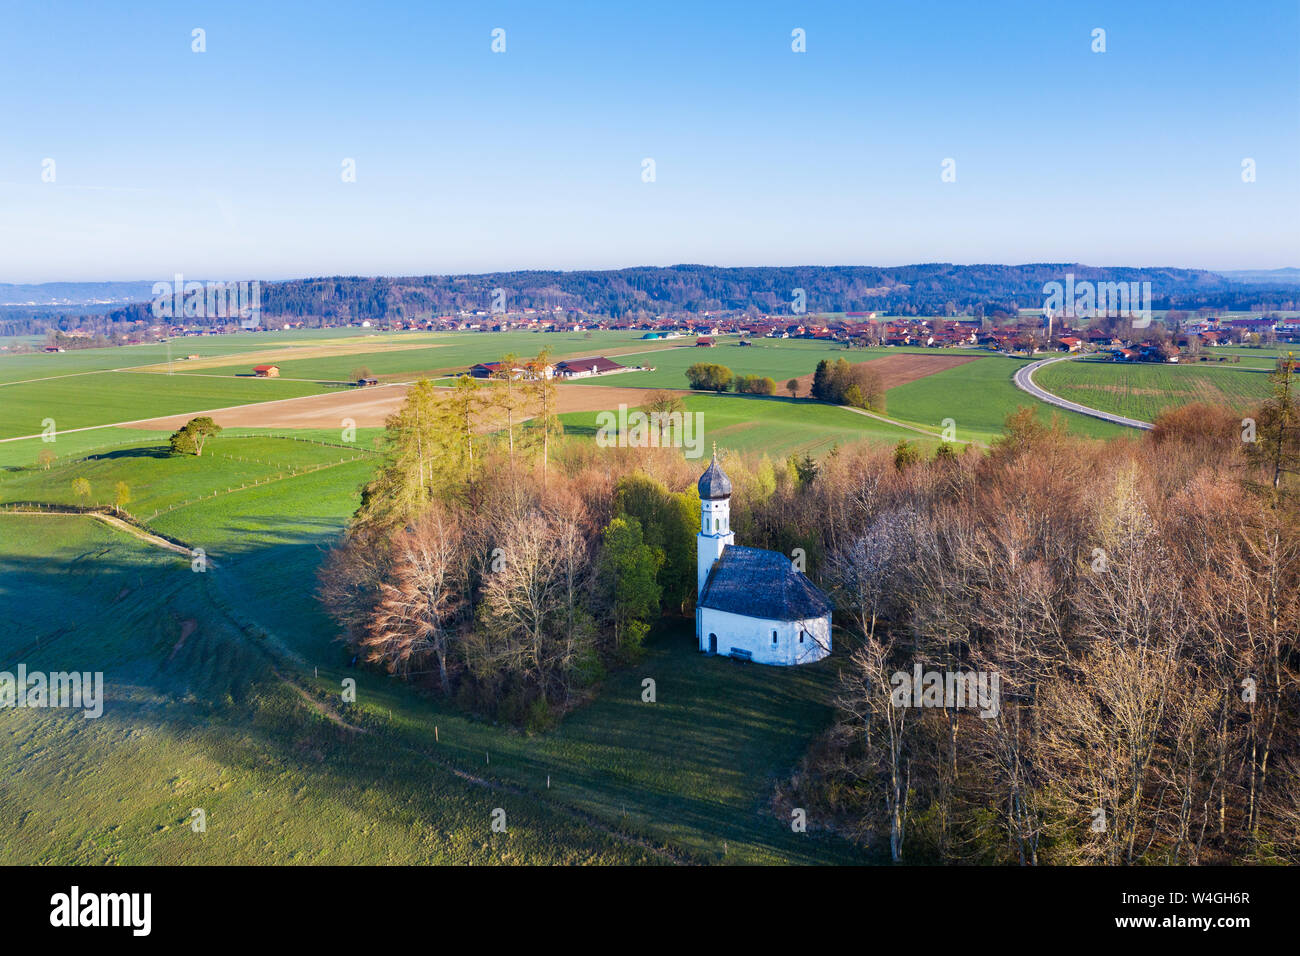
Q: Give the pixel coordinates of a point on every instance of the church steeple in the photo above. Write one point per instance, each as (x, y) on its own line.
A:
(715, 520)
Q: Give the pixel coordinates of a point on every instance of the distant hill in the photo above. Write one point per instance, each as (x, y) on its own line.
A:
(66, 294)
(923, 289)
(1274, 277)
(918, 289)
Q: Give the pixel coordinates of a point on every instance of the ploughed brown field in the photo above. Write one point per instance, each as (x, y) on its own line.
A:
(368, 407)
(901, 368)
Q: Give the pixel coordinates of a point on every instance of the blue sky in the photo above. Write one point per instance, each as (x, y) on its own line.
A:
(227, 163)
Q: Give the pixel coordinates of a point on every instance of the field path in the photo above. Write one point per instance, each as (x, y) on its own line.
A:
(913, 428)
(113, 522)
(1024, 379)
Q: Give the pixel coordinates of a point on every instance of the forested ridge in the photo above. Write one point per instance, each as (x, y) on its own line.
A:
(922, 289)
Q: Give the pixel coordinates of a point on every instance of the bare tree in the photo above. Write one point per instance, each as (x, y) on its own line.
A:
(416, 614)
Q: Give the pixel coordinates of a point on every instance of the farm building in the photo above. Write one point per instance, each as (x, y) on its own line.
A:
(496, 370)
(587, 367)
(704, 342)
(752, 604)
(266, 371)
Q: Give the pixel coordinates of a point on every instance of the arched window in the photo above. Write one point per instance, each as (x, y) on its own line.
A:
(774, 637)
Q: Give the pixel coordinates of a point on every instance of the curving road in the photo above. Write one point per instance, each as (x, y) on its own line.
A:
(1024, 379)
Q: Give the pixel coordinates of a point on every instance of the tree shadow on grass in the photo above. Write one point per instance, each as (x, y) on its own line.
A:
(151, 451)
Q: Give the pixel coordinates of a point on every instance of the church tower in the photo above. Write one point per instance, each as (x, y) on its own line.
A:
(715, 521)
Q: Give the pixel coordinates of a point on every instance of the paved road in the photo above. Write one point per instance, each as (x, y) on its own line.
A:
(1024, 379)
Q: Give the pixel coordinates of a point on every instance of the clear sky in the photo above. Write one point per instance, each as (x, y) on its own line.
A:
(227, 163)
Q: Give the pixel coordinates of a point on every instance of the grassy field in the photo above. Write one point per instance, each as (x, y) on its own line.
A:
(158, 481)
(19, 368)
(195, 717)
(780, 359)
(1245, 356)
(95, 387)
(102, 399)
(234, 715)
(224, 686)
(978, 396)
(779, 426)
(1142, 391)
(444, 352)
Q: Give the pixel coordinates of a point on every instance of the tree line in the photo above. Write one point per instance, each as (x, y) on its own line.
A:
(858, 386)
(1137, 601)
(712, 377)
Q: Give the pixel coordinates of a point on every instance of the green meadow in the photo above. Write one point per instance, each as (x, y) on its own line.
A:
(1143, 391)
(1246, 356)
(224, 687)
(197, 715)
(978, 397)
(31, 366)
(109, 397)
(776, 425)
(779, 359)
(224, 693)
(158, 481)
(446, 352)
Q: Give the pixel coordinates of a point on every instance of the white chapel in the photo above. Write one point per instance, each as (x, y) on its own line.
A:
(750, 603)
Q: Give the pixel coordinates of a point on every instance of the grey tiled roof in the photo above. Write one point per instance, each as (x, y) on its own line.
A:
(714, 483)
(759, 583)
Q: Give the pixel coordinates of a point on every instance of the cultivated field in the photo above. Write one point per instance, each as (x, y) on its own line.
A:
(1143, 391)
(109, 398)
(778, 426)
(780, 359)
(977, 397)
(408, 356)
(368, 407)
(899, 368)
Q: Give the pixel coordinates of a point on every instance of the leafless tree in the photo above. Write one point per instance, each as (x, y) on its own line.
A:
(416, 614)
